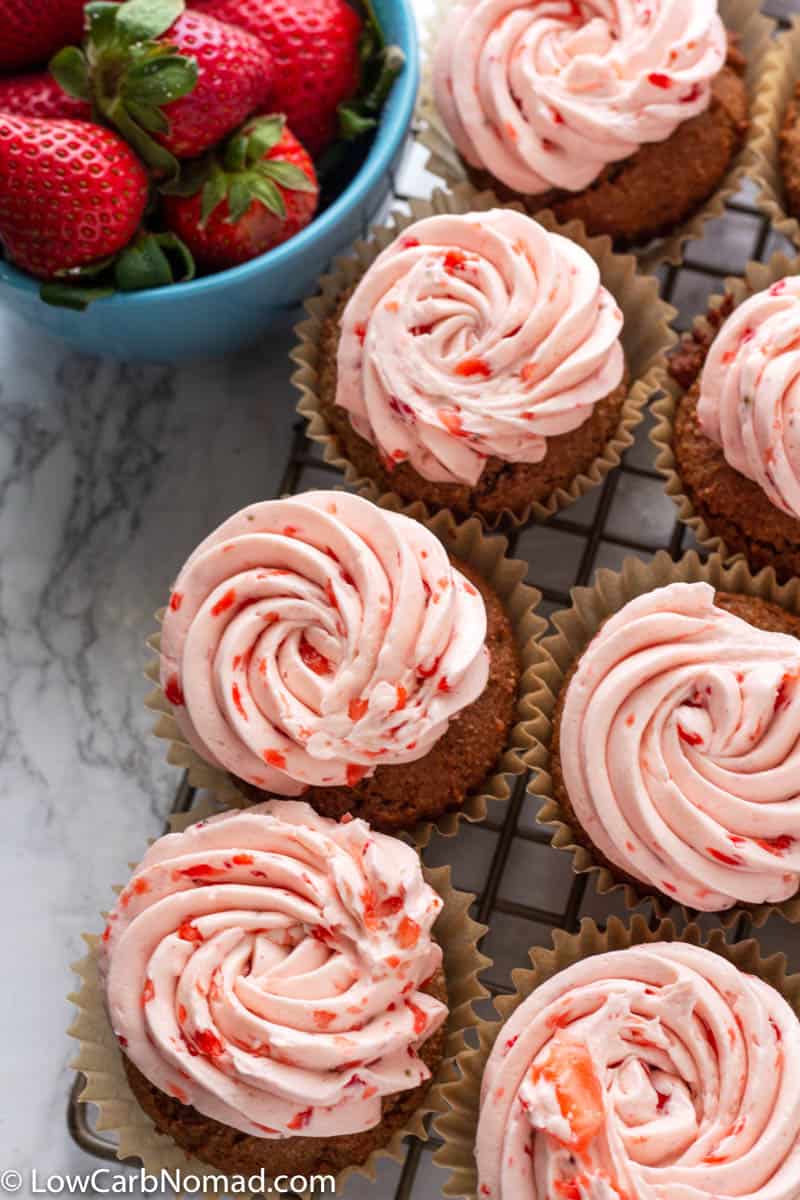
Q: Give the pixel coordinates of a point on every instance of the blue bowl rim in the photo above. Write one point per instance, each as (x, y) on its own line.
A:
(388, 137)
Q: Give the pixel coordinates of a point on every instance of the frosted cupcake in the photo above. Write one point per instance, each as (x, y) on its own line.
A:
(656, 1072)
(275, 988)
(476, 366)
(322, 646)
(676, 747)
(625, 115)
(735, 434)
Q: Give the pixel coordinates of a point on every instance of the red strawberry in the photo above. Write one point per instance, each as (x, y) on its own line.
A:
(258, 192)
(315, 48)
(168, 80)
(38, 95)
(32, 30)
(71, 193)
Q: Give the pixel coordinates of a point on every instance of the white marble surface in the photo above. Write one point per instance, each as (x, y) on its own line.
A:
(109, 475)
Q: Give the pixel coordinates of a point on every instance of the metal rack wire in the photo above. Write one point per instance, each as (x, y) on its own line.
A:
(587, 535)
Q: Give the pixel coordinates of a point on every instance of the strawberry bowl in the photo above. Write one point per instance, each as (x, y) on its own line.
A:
(217, 314)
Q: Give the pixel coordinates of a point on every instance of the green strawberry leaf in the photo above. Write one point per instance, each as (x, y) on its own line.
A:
(235, 153)
(101, 22)
(215, 190)
(143, 20)
(150, 262)
(240, 197)
(262, 134)
(157, 158)
(265, 191)
(160, 80)
(352, 124)
(70, 70)
(286, 174)
(148, 116)
(65, 295)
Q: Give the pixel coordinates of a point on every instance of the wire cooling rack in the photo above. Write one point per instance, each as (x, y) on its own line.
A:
(523, 888)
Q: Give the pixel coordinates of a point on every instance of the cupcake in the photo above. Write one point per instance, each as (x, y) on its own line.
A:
(656, 1071)
(675, 752)
(476, 365)
(790, 154)
(276, 990)
(736, 427)
(625, 116)
(322, 646)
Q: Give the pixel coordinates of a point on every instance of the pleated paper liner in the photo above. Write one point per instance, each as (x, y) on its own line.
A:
(741, 17)
(757, 278)
(468, 542)
(646, 337)
(100, 1060)
(458, 1126)
(576, 626)
(780, 74)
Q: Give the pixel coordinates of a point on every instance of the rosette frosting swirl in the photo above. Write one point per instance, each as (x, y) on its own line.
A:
(750, 393)
(546, 93)
(680, 749)
(309, 640)
(661, 1072)
(266, 967)
(476, 336)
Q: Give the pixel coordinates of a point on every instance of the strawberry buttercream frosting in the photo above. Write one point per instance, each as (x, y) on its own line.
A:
(266, 967)
(546, 93)
(750, 392)
(476, 336)
(680, 749)
(309, 640)
(661, 1072)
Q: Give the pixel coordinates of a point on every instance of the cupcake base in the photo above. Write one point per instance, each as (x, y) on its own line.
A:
(649, 194)
(502, 486)
(399, 797)
(761, 613)
(790, 154)
(733, 507)
(236, 1153)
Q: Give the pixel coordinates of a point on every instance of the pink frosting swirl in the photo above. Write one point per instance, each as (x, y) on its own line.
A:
(661, 1072)
(546, 93)
(680, 749)
(476, 336)
(308, 641)
(266, 967)
(750, 393)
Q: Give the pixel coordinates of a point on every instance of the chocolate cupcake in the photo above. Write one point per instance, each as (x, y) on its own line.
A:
(322, 646)
(734, 428)
(478, 364)
(276, 990)
(775, 165)
(626, 117)
(675, 747)
(633, 1063)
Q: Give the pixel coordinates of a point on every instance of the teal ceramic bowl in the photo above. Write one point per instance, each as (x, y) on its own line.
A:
(220, 313)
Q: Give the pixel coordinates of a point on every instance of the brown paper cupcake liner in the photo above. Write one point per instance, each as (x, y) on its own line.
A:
(458, 1126)
(757, 278)
(468, 542)
(576, 626)
(107, 1087)
(646, 337)
(741, 17)
(780, 73)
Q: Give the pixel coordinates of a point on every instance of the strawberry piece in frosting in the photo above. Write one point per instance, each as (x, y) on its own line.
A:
(254, 965)
(652, 1073)
(299, 651)
(545, 93)
(521, 341)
